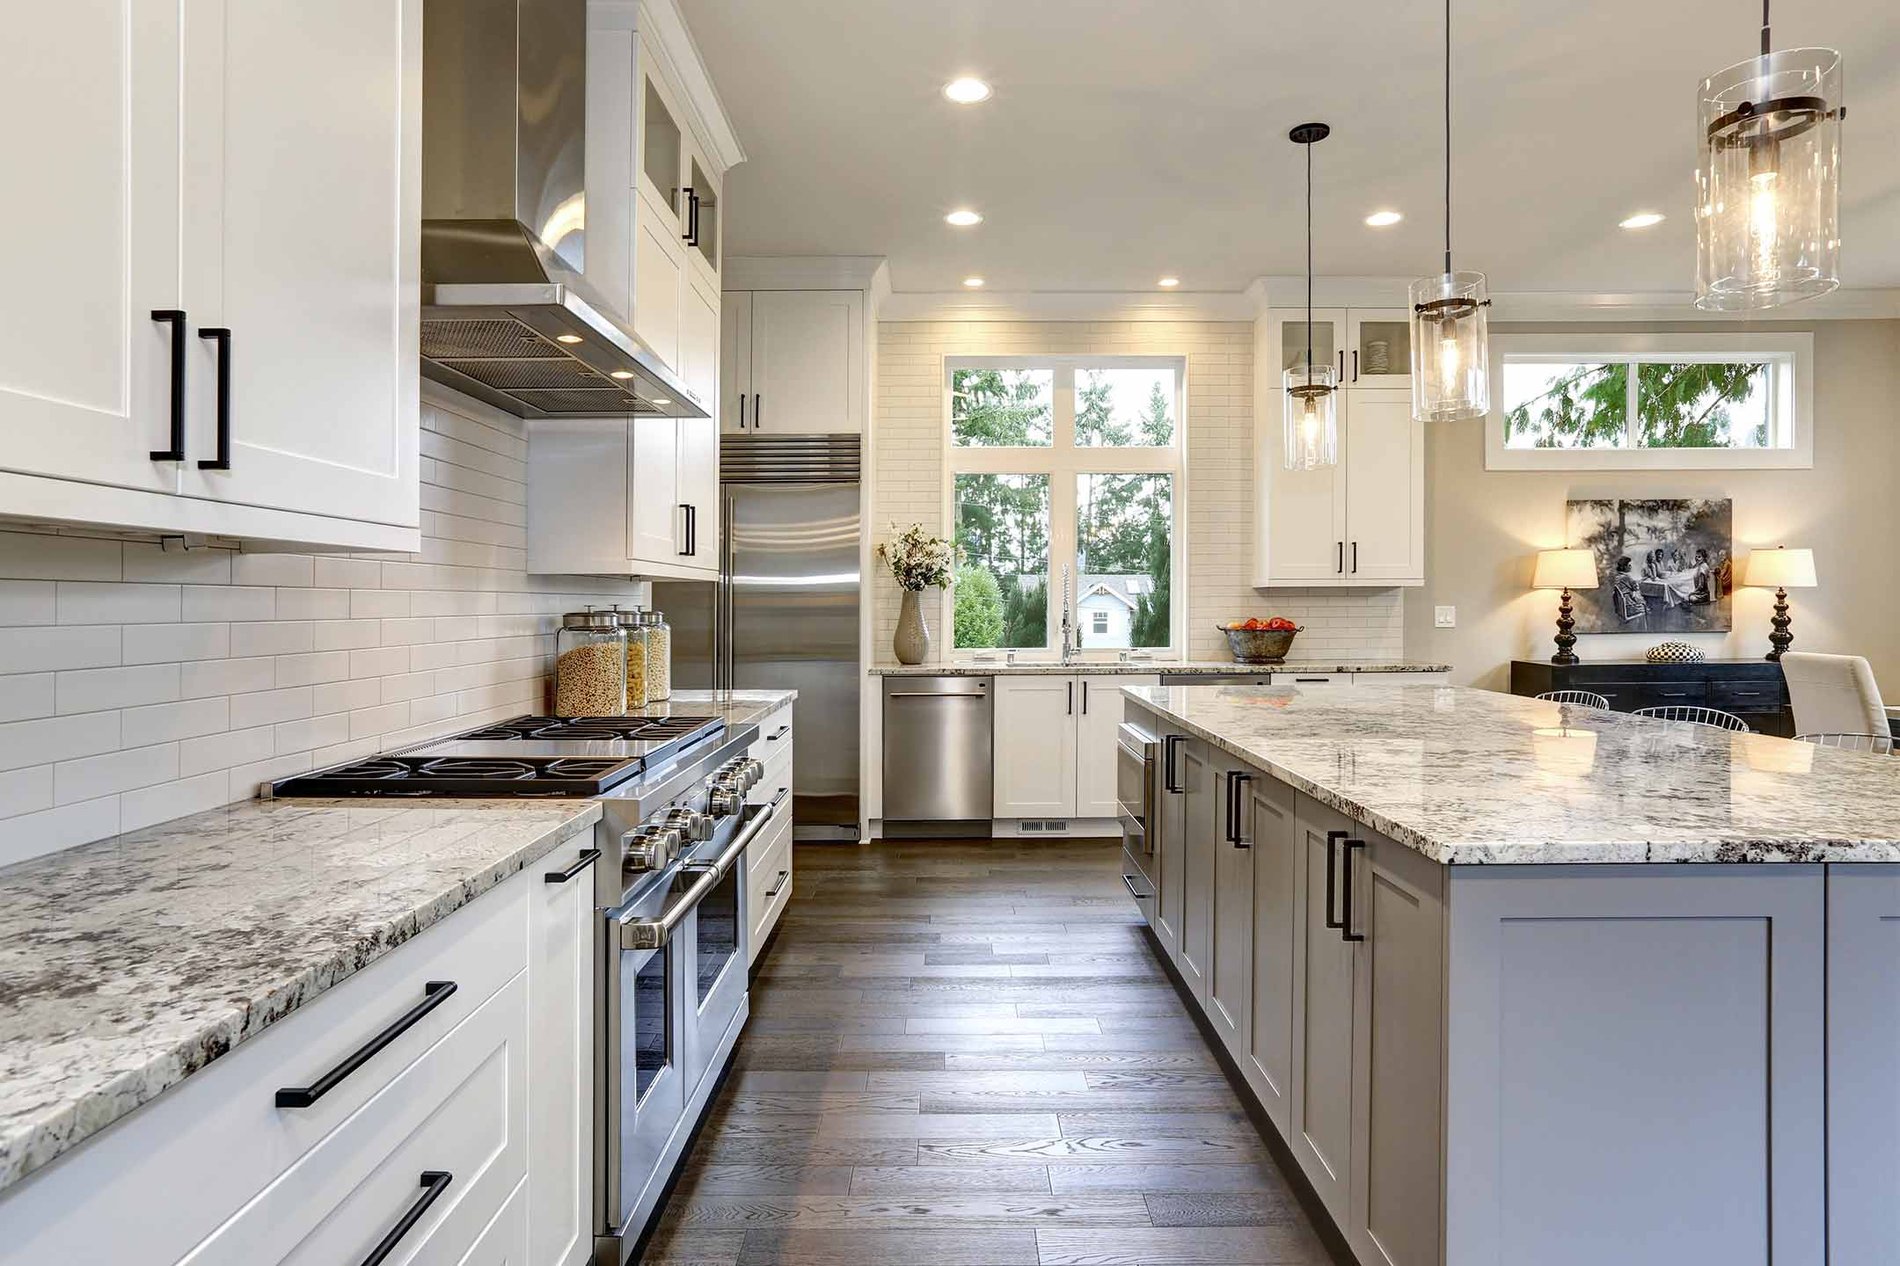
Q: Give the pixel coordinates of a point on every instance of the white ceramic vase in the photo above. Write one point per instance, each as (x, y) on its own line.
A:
(912, 643)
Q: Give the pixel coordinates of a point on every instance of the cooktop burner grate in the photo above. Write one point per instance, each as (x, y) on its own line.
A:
(468, 776)
(592, 729)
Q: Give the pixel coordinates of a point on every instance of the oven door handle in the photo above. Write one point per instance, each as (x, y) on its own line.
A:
(646, 934)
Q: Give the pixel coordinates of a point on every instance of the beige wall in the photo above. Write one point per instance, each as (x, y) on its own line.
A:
(908, 479)
(1482, 527)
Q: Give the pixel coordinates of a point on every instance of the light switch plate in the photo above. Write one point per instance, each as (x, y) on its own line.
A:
(1445, 617)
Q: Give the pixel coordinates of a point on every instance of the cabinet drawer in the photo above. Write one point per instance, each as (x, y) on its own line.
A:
(459, 1111)
(1627, 696)
(763, 851)
(770, 887)
(1746, 696)
(116, 1197)
(775, 736)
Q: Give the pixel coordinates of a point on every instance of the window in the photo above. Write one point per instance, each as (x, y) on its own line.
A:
(1065, 463)
(1655, 401)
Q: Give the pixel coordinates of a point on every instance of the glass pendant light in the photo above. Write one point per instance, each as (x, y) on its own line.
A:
(1451, 346)
(1312, 391)
(1768, 179)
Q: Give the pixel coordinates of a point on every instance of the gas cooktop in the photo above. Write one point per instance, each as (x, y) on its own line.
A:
(523, 756)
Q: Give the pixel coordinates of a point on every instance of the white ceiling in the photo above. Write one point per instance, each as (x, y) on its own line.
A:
(1134, 138)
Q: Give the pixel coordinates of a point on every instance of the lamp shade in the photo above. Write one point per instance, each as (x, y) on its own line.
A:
(1565, 569)
(1780, 569)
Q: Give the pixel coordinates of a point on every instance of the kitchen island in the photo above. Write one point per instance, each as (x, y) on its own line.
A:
(1519, 982)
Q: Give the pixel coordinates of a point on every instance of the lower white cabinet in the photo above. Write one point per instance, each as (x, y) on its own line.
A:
(1055, 738)
(1231, 851)
(474, 1118)
(769, 858)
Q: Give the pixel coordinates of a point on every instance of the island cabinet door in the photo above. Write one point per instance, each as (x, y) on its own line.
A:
(1324, 1007)
(1397, 910)
(1635, 1066)
(1863, 1052)
(1171, 845)
(1230, 958)
(1199, 836)
(561, 1055)
(1267, 1055)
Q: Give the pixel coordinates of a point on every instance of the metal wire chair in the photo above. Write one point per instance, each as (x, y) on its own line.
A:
(1881, 744)
(1583, 698)
(1694, 716)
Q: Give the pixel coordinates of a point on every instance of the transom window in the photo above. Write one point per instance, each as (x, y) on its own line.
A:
(1630, 401)
(1058, 460)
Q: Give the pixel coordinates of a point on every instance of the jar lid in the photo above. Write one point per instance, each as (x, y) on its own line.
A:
(628, 619)
(656, 616)
(603, 620)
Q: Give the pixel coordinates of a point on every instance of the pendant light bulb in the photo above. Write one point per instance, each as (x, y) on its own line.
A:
(1768, 179)
(1451, 352)
(1312, 390)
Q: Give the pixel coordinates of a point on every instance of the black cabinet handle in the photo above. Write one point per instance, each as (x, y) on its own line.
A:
(434, 1183)
(434, 994)
(778, 734)
(222, 339)
(176, 319)
(1332, 853)
(780, 797)
(776, 888)
(1342, 366)
(1345, 915)
(742, 410)
(758, 411)
(1170, 744)
(1236, 783)
(1355, 558)
(1085, 698)
(587, 858)
(692, 530)
(1072, 698)
(1355, 364)
(1340, 566)
(686, 530)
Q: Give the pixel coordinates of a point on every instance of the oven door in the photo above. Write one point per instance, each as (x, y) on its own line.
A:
(643, 1072)
(716, 937)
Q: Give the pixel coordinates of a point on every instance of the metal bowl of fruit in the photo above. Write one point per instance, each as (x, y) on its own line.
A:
(1257, 641)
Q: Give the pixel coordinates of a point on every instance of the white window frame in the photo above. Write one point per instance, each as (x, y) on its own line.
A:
(1062, 460)
(1790, 360)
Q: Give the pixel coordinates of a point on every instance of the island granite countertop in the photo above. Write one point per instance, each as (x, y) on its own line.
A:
(129, 964)
(1468, 776)
(1195, 667)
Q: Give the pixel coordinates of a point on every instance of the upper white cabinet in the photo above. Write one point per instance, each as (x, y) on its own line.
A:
(256, 173)
(792, 362)
(1360, 521)
(636, 497)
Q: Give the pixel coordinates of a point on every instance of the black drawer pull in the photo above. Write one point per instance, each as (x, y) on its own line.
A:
(587, 858)
(434, 1183)
(434, 994)
(1170, 744)
(778, 734)
(780, 797)
(176, 319)
(778, 887)
(1332, 855)
(1345, 915)
(221, 338)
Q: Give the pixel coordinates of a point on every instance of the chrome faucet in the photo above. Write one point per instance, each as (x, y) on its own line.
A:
(1070, 630)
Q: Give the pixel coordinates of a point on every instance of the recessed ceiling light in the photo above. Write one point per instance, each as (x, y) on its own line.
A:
(966, 90)
(963, 218)
(622, 374)
(1641, 220)
(1383, 219)
(1169, 282)
(973, 283)
(567, 338)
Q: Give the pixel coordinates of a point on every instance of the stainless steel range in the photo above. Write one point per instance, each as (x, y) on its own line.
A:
(670, 888)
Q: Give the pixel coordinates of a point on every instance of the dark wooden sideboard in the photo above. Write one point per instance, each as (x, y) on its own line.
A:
(1752, 689)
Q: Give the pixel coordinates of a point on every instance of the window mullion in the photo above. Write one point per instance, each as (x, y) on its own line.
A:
(1062, 545)
(1632, 429)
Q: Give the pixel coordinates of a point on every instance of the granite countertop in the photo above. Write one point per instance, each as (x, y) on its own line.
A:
(129, 964)
(1153, 667)
(738, 707)
(1468, 776)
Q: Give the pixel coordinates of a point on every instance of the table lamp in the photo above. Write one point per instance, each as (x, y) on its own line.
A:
(1565, 569)
(1780, 569)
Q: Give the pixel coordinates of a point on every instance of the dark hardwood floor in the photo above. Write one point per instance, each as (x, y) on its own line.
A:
(967, 1055)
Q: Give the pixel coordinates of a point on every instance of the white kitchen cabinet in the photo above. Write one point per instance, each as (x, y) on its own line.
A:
(1361, 521)
(1171, 846)
(1319, 1117)
(654, 530)
(1200, 831)
(609, 498)
(1035, 734)
(797, 357)
(703, 221)
(663, 145)
(1230, 958)
(1266, 1056)
(1055, 741)
(299, 421)
(1863, 1030)
(560, 1192)
(1378, 350)
(659, 286)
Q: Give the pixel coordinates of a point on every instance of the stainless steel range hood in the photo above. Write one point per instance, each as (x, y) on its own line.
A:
(504, 197)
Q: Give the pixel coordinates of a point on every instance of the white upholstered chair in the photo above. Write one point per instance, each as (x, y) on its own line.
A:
(1833, 694)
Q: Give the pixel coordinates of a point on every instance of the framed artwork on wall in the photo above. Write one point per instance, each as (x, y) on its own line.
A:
(1664, 564)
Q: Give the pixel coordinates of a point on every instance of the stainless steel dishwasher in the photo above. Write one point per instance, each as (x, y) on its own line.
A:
(937, 761)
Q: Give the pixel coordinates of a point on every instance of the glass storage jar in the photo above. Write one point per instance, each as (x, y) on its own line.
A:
(590, 665)
(633, 624)
(659, 657)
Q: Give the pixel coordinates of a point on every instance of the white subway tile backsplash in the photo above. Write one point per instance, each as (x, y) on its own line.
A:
(212, 670)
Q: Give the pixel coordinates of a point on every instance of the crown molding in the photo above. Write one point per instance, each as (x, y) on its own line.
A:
(1081, 305)
(869, 273)
(673, 48)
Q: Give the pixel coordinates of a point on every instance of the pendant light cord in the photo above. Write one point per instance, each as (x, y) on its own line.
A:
(1766, 45)
(1309, 264)
(1448, 136)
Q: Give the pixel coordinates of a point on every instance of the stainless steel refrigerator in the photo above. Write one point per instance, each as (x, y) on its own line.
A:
(784, 614)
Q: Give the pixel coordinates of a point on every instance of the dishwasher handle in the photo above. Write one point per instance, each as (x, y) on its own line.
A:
(933, 694)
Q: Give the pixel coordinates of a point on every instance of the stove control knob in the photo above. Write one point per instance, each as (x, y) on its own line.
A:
(749, 772)
(649, 848)
(726, 798)
(691, 824)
